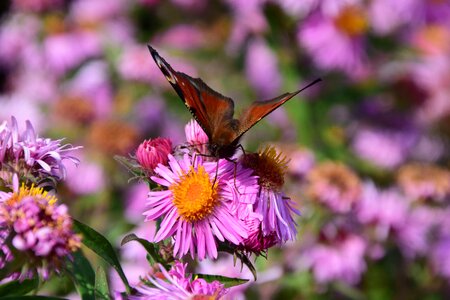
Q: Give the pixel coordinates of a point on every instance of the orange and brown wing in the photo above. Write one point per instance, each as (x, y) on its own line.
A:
(259, 109)
(209, 108)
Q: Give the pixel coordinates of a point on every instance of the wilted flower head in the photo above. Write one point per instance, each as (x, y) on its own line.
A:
(113, 137)
(195, 208)
(274, 207)
(176, 284)
(334, 185)
(152, 152)
(38, 229)
(26, 154)
(424, 181)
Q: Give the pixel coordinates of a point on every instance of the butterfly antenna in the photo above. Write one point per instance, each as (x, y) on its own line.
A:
(309, 85)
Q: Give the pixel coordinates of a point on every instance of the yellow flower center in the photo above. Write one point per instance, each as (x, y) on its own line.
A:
(31, 192)
(269, 165)
(194, 195)
(352, 21)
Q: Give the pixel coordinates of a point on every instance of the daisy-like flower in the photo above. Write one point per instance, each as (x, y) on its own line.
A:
(196, 207)
(334, 185)
(176, 284)
(26, 154)
(274, 207)
(38, 229)
(152, 152)
(336, 41)
(424, 181)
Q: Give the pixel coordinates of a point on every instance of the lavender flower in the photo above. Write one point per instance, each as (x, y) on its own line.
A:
(37, 228)
(29, 156)
(273, 206)
(176, 284)
(334, 185)
(196, 206)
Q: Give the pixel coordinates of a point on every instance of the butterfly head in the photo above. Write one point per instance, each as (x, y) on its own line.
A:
(222, 151)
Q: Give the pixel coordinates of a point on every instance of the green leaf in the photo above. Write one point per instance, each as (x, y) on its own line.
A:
(82, 274)
(101, 246)
(226, 281)
(18, 288)
(101, 285)
(149, 247)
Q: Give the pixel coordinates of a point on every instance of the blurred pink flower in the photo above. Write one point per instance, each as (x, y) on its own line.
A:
(338, 256)
(153, 152)
(86, 178)
(248, 18)
(92, 83)
(194, 5)
(93, 11)
(67, 50)
(261, 67)
(440, 258)
(136, 197)
(335, 185)
(181, 36)
(384, 210)
(413, 236)
(336, 43)
(36, 5)
(383, 147)
(302, 160)
(386, 16)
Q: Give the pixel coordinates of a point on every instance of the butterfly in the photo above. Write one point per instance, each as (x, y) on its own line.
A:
(215, 112)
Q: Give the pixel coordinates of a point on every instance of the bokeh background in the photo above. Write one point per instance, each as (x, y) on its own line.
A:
(368, 145)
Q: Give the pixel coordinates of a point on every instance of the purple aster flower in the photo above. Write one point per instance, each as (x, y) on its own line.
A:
(335, 185)
(383, 147)
(440, 258)
(261, 68)
(273, 206)
(424, 181)
(336, 42)
(38, 228)
(339, 255)
(195, 208)
(385, 210)
(176, 284)
(27, 154)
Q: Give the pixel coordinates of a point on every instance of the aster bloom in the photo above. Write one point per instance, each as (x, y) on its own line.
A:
(273, 206)
(339, 255)
(26, 154)
(176, 284)
(335, 42)
(384, 210)
(424, 181)
(195, 208)
(152, 152)
(38, 229)
(334, 185)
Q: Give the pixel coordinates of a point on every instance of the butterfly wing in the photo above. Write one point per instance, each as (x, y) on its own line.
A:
(209, 108)
(259, 109)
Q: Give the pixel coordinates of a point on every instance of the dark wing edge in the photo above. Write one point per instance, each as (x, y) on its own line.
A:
(259, 109)
(208, 107)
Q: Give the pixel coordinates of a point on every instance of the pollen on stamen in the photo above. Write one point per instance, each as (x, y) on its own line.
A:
(33, 191)
(269, 166)
(194, 195)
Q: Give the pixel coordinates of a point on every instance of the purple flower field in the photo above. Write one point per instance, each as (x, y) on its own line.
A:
(112, 188)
